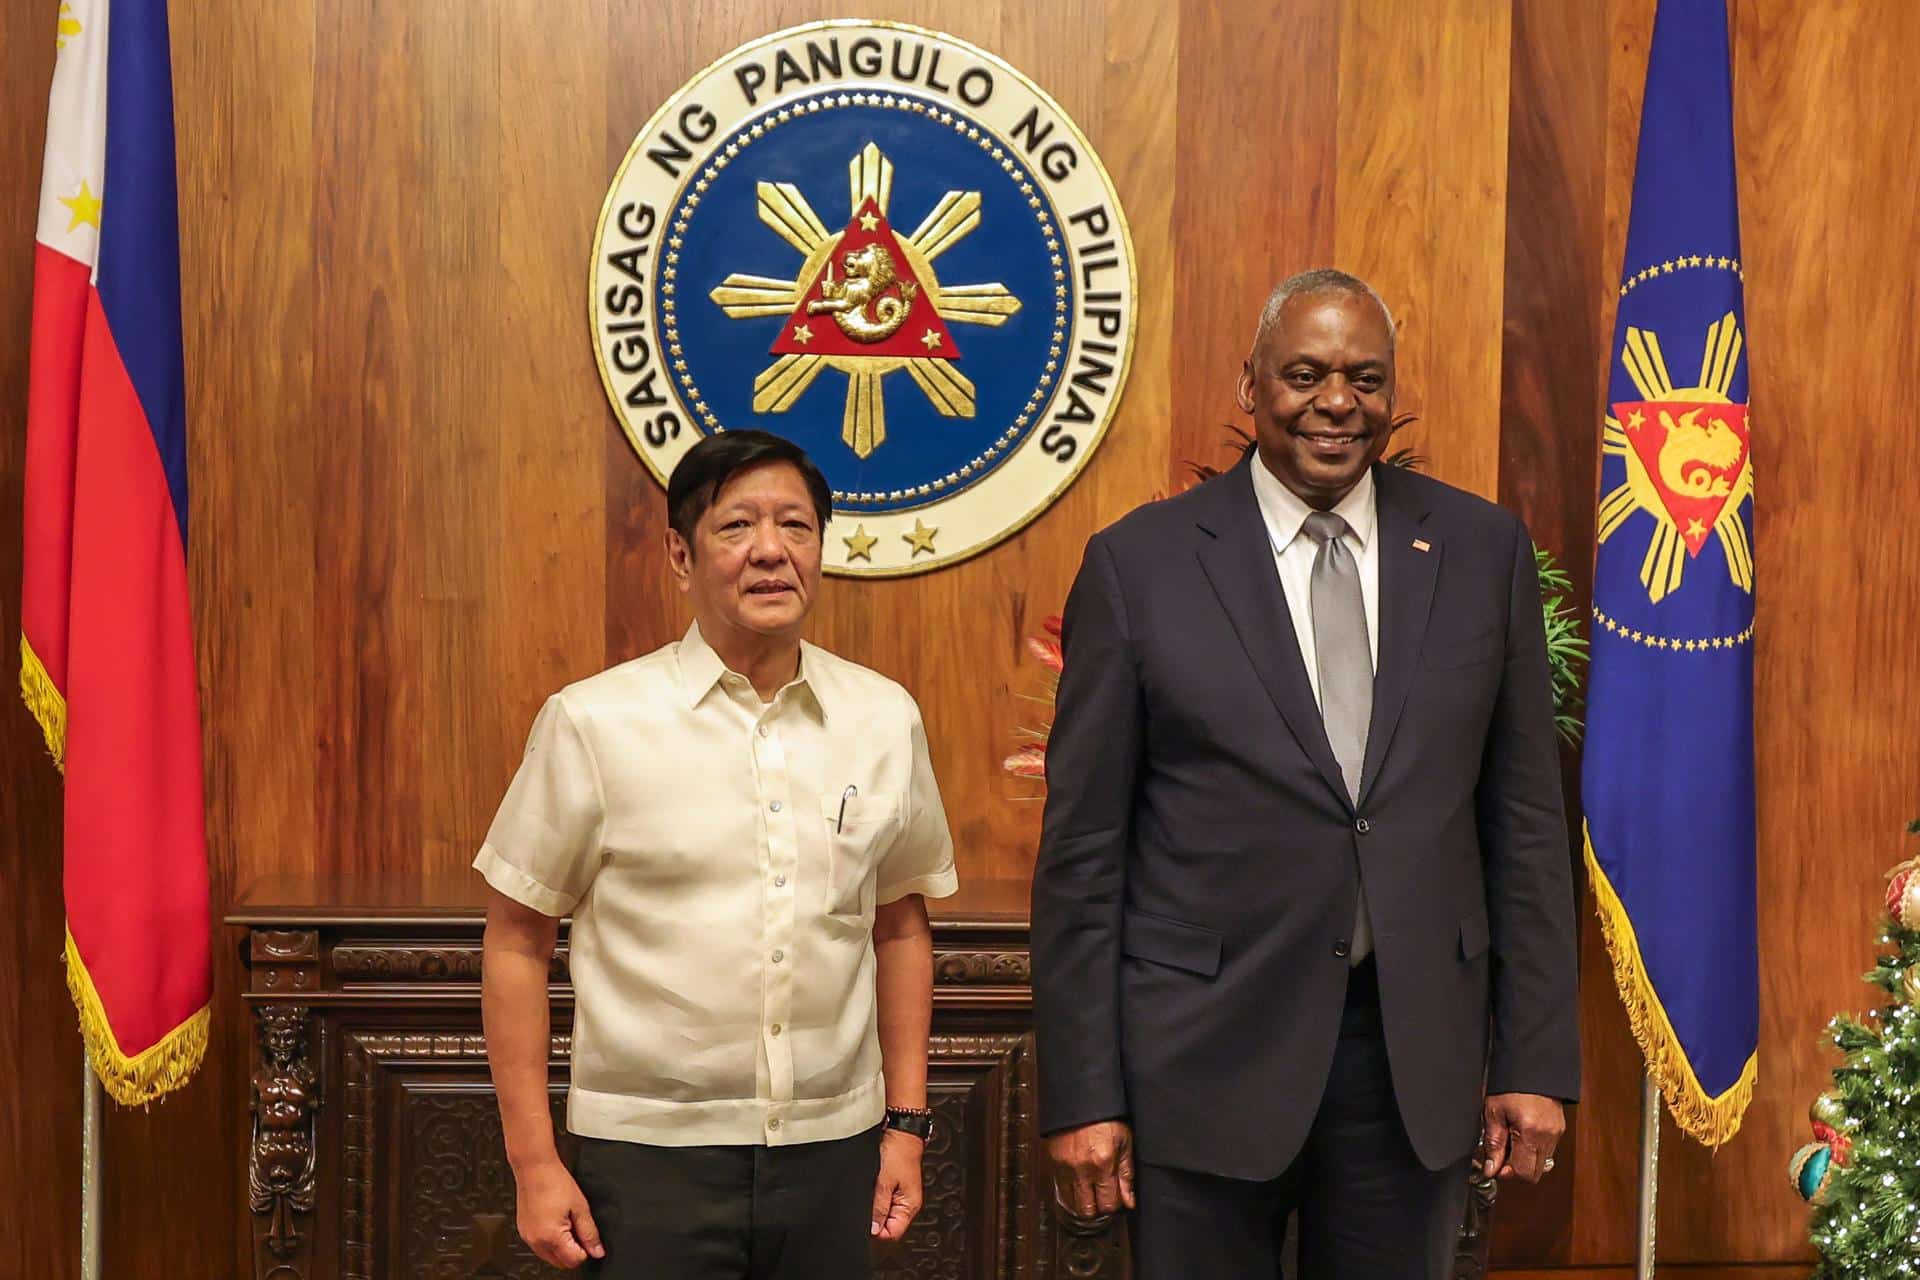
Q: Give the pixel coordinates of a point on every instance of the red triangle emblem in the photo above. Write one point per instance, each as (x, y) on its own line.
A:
(866, 301)
(1693, 452)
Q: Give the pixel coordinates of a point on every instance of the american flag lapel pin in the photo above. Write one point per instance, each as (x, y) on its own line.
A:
(1421, 544)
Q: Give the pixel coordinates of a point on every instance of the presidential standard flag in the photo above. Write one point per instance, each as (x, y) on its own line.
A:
(106, 646)
(1668, 771)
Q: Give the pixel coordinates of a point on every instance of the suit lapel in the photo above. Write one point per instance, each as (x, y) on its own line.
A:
(1407, 576)
(1237, 557)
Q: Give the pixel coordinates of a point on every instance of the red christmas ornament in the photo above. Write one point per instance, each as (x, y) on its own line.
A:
(1903, 895)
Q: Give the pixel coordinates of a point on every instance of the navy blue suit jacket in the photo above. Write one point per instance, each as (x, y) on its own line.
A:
(1200, 858)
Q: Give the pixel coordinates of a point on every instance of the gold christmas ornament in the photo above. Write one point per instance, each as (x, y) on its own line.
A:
(1903, 894)
(1826, 1109)
(1910, 985)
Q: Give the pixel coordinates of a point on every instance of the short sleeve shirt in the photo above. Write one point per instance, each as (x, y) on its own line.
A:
(722, 858)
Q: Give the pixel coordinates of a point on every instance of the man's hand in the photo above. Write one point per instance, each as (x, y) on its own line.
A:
(1093, 1168)
(553, 1216)
(1522, 1129)
(896, 1192)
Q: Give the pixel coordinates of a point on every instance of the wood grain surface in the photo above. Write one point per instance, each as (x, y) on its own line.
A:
(413, 515)
(39, 1039)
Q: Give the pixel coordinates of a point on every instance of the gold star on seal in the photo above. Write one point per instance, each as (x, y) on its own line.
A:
(85, 206)
(868, 222)
(1695, 529)
(802, 334)
(921, 538)
(860, 544)
(929, 339)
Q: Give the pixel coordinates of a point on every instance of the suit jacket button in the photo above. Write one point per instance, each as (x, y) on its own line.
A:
(1340, 948)
(1362, 826)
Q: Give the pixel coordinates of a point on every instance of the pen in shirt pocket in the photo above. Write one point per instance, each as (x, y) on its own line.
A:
(840, 823)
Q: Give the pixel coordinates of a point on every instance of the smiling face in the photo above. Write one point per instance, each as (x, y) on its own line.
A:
(1320, 389)
(753, 567)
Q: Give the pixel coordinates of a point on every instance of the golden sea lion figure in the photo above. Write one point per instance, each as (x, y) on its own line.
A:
(1693, 452)
(869, 273)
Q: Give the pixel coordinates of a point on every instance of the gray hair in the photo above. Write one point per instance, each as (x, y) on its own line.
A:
(1319, 280)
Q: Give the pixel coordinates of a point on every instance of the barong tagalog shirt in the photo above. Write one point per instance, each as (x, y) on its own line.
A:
(721, 858)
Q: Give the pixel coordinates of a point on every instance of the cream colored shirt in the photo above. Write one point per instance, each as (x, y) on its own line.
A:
(722, 857)
(1294, 549)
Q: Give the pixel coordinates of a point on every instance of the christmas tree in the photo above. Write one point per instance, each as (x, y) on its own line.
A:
(1862, 1172)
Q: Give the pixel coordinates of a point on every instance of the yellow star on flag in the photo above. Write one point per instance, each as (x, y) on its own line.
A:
(868, 222)
(921, 538)
(860, 544)
(929, 339)
(802, 334)
(85, 206)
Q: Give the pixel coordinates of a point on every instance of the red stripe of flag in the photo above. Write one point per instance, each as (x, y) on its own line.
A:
(107, 641)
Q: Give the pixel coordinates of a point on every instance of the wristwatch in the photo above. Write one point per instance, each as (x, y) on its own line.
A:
(917, 1121)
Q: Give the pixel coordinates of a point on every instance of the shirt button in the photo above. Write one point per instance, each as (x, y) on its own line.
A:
(764, 731)
(1340, 948)
(778, 956)
(774, 1029)
(779, 882)
(775, 806)
(774, 1123)
(1362, 826)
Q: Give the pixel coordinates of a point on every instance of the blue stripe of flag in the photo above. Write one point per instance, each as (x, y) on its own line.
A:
(139, 264)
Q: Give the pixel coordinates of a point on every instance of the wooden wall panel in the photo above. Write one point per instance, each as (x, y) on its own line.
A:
(39, 1045)
(1254, 192)
(1834, 319)
(414, 516)
(1550, 390)
(1420, 211)
(1835, 752)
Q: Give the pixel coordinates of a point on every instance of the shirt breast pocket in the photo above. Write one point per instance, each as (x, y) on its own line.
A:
(858, 834)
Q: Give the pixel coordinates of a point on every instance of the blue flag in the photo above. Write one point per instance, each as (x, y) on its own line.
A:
(1668, 770)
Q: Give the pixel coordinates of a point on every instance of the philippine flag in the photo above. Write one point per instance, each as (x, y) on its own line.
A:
(107, 657)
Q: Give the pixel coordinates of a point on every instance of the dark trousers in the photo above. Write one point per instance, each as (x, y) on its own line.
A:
(1368, 1209)
(803, 1212)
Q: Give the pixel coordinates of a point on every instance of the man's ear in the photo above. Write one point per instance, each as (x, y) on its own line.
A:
(679, 558)
(1243, 389)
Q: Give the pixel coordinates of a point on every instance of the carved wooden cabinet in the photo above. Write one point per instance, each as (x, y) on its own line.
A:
(375, 1145)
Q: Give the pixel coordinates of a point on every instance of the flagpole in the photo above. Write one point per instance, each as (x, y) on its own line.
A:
(89, 1171)
(1649, 1171)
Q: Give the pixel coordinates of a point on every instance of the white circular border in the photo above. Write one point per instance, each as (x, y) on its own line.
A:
(1030, 479)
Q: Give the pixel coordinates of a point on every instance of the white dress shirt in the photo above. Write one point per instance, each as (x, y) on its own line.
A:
(1286, 515)
(722, 858)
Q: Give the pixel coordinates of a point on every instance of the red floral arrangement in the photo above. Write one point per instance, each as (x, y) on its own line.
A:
(1030, 760)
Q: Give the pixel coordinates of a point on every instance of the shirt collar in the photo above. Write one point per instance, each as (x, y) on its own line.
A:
(701, 669)
(1285, 512)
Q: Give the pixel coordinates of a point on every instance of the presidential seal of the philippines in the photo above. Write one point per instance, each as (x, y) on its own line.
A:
(888, 246)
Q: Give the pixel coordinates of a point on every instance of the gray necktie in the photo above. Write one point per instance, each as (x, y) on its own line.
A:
(1345, 663)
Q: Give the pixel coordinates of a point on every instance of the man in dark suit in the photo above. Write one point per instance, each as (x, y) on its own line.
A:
(1303, 915)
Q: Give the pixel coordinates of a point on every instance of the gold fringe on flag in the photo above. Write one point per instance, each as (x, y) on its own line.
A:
(46, 703)
(133, 1081)
(1711, 1120)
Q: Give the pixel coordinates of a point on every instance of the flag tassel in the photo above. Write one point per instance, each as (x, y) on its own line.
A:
(44, 700)
(1711, 1120)
(140, 1078)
